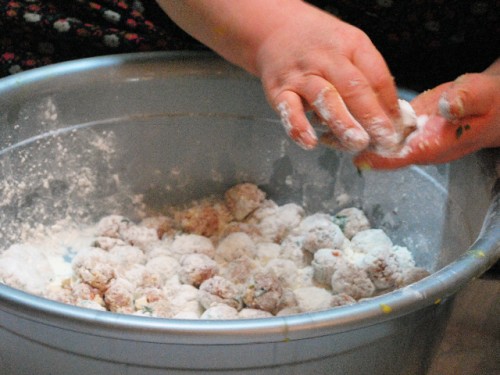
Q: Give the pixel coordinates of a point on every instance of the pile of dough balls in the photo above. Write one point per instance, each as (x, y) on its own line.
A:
(239, 257)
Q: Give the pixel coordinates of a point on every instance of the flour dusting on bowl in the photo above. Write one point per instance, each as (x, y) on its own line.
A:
(255, 257)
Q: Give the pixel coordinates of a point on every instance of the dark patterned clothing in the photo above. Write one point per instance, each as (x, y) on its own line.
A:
(35, 33)
(425, 42)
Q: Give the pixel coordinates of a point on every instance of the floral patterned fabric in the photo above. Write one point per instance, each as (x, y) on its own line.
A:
(35, 33)
(425, 42)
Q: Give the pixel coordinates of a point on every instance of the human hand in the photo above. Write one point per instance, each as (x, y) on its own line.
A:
(316, 61)
(306, 59)
(463, 117)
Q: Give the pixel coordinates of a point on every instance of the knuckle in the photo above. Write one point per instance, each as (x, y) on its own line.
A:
(382, 81)
(355, 88)
(359, 36)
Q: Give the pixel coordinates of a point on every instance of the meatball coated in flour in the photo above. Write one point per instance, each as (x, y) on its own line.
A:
(318, 232)
(239, 257)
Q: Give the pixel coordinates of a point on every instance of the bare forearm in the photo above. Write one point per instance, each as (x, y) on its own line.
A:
(306, 59)
(233, 28)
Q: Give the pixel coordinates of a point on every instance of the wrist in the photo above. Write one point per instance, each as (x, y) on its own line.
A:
(233, 29)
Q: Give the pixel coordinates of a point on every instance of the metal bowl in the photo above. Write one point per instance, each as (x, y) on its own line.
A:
(81, 139)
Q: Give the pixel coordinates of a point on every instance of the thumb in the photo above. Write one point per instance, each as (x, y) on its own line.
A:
(469, 95)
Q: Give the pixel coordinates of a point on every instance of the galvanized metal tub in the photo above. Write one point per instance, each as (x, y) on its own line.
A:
(179, 126)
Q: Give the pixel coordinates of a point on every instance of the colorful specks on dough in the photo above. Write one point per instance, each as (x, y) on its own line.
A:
(386, 309)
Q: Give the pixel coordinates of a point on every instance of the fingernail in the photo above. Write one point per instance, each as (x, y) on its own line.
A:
(306, 139)
(451, 110)
(457, 109)
(444, 107)
(310, 138)
(355, 140)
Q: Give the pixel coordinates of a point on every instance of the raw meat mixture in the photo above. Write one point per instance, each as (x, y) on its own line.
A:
(243, 256)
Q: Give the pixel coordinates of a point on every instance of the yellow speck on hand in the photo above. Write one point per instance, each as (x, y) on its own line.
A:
(219, 31)
(386, 309)
(364, 166)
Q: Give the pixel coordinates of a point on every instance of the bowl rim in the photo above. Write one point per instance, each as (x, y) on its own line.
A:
(430, 291)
